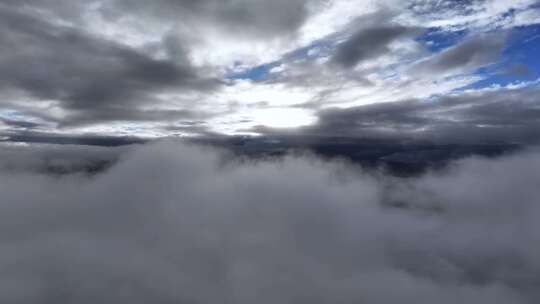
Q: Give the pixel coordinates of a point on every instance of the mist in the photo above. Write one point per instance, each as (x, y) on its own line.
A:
(169, 222)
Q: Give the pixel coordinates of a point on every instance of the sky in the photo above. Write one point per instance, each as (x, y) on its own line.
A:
(414, 69)
(270, 151)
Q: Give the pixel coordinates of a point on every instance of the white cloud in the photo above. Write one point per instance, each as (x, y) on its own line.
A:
(478, 16)
(210, 47)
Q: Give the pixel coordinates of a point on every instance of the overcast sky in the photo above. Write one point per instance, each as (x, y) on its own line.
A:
(360, 68)
(409, 93)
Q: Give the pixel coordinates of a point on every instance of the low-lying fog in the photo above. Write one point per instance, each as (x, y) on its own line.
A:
(173, 223)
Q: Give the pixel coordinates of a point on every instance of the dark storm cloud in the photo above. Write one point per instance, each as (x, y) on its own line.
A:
(19, 123)
(70, 139)
(87, 74)
(195, 230)
(369, 43)
(57, 159)
(370, 37)
(91, 116)
(252, 17)
(474, 52)
(511, 115)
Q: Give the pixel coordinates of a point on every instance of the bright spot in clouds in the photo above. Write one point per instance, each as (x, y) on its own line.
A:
(283, 118)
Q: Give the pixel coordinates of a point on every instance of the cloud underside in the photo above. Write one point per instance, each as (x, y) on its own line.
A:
(91, 78)
(195, 229)
(474, 117)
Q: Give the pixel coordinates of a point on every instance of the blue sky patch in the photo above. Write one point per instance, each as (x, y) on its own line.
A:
(437, 39)
(520, 60)
(262, 72)
(257, 73)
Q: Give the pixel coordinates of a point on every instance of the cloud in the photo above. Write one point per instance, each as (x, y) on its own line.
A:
(145, 68)
(18, 123)
(475, 15)
(220, 34)
(466, 56)
(68, 139)
(244, 17)
(88, 76)
(496, 115)
(172, 223)
(370, 42)
(57, 159)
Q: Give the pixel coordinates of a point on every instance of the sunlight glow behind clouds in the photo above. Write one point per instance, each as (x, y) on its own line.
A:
(282, 117)
(243, 64)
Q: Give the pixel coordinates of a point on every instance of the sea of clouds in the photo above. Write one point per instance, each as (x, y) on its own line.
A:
(174, 223)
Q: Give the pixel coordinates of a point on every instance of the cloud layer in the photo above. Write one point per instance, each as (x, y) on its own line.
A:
(182, 67)
(172, 223)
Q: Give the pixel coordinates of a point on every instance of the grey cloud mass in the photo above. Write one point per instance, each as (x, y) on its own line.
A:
(195, 229)
(87, 74)
(333, 151)
(19, 123)
(472, 53)
(70, 66)
(241, 17)
(368, 43)
(494, 116)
